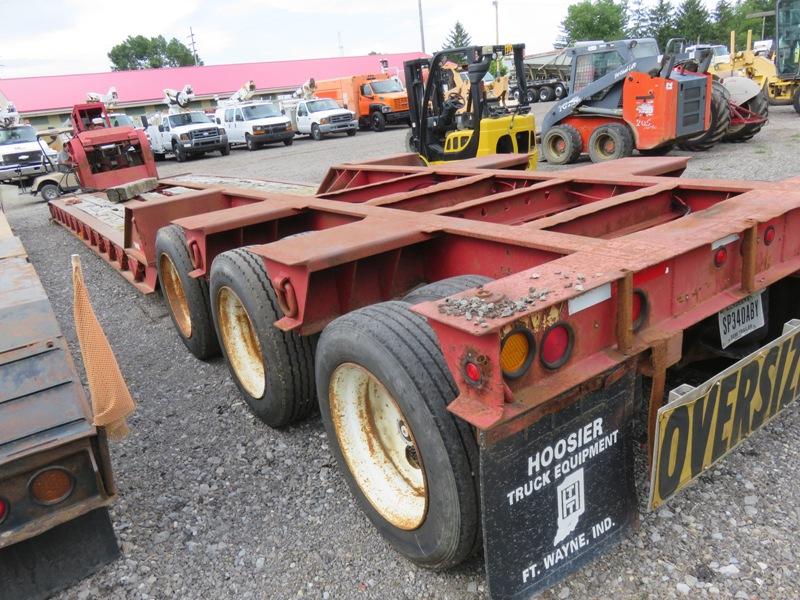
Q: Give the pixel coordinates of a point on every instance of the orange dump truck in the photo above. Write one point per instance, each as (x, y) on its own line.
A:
(377, 99)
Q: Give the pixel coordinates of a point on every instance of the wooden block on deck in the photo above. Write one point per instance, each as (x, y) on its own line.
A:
(128, 191)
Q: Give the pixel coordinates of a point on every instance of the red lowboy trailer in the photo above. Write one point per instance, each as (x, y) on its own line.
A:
(485, 333)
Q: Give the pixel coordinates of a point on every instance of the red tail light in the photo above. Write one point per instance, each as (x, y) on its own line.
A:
(472, 372)
(556, 346)
(51, 486)
(3, 509)
(720, 256)
(769, 235)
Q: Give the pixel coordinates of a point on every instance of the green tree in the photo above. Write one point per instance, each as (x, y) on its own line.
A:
(724, 21)
(661, 22)
(638, 20)
(593, 20)
(457, 38)
(693, 23)
(139, 52)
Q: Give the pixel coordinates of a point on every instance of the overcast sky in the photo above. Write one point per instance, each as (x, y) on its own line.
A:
(74, 36)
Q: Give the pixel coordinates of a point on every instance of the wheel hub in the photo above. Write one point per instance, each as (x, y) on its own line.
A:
(176, 296)
(241, 343)
(378, 446)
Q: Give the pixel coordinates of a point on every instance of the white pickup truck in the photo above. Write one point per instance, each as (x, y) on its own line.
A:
(255, 124)
(21, 156)
(318, 116)
(185, 134)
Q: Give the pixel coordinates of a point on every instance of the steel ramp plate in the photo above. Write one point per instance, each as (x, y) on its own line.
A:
(540, 525)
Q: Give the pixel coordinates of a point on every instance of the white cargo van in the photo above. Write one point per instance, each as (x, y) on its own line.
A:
(255, 124)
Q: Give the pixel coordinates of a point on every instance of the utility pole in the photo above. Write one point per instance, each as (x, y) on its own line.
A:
(421, 30)
(496, 23)
(193, 45)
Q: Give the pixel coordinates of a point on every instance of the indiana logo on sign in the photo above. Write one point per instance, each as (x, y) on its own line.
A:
(571, 504)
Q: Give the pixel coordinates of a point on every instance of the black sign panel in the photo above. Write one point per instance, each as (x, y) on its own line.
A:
(558, 493)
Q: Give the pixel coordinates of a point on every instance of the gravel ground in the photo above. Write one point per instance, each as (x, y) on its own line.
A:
(213, 504)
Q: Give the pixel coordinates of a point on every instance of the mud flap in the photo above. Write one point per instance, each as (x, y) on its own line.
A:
(559, 493)
(58, 558)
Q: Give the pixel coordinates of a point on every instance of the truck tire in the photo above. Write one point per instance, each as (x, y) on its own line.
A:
(274, 370)
(49, 191)
(796, 99)
(225, 150)
(251, 143)
(758, 104)
(186, 297)
(180, 154)
(532, 95)
(288, 141)
(562, 145)
(546, 93)
(352, 132)
(610, 142)
(316, 133)
(560, 90)
(377, 121)
(382, 364)
(444, 287)
(720, 121)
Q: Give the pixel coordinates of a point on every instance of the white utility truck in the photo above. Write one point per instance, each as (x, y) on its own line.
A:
(183, 133)
(21, 157)
(253, 122)
(319, 116)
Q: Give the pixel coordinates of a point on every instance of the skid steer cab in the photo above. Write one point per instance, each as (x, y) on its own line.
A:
(455, 120)
(622, 98)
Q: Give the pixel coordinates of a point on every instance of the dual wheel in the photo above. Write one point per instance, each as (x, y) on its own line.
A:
(382, 385)
(563, 144)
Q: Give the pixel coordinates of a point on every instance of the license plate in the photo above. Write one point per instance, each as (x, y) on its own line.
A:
(700, 425)
(742, 318)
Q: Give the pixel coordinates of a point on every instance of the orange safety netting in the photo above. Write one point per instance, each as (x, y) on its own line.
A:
(111, 400)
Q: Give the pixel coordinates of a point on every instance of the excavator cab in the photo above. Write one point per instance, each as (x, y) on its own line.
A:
(448, 123)
(787, 58)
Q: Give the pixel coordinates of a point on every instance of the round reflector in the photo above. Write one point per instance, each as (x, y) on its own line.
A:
(556, 346)
(51, 485)
(472, 372)
(3, 509)
(720, 256)
(516, 353)
(769, 235)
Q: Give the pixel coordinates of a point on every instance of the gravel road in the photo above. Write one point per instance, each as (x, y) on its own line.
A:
(213, 504)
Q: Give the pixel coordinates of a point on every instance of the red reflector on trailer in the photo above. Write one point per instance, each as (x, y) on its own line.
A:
(3, 509)
(473, 372)
(769, 235)
(720, 256)
(556, 345)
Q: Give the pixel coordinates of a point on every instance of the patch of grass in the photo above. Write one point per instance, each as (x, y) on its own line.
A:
(795, 137)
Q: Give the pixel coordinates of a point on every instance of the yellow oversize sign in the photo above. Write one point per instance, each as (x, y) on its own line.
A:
(699, 427)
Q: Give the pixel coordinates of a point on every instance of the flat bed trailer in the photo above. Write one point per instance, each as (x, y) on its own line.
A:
(484, 332)
(55, 472)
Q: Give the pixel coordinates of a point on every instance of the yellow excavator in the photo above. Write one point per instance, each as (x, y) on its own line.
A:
(780, 79)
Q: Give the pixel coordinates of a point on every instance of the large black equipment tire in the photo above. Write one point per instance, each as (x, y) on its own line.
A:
(444, 287)
(720, 121)
(796, 99)
(383, 390)
(562, 145)
(186, 297)
(273, 369)
(609, 142)
(758, 104)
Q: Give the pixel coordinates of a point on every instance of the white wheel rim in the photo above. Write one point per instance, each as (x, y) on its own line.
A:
(378, 446)
(242, 347)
